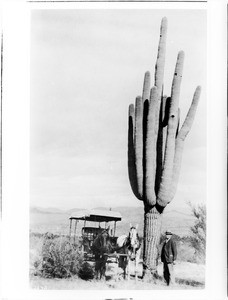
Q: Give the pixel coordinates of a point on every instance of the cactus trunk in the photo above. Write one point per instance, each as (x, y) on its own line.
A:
(155, 146)
(152, 232)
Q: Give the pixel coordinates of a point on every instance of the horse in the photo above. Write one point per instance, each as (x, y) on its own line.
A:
(130, 248)
(101, 246)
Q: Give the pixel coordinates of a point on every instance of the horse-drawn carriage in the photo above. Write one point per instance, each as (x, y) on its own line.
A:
(99, 242)
(93, 222)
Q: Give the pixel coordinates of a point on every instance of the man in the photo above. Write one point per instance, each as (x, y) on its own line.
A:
(168, 257)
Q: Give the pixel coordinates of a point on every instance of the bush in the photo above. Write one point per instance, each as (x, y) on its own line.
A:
(198, 238)
(185, 251)
(59, 258)
(86, 271)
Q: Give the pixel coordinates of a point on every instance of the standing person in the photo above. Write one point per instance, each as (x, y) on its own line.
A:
(168, 257)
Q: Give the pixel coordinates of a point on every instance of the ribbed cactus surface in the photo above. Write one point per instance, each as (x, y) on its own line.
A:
(155, 145)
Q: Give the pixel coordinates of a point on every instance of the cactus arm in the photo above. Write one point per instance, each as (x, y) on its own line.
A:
(163, 109)
(159, 149)
(138, 143)
(190, 116)
(165, 117)
(158, 82)
(160, 63)
(175, 91)
(166, 179)
(178, 121)
(150, 150)
(131, 152)
(181, 137)
(146, 87)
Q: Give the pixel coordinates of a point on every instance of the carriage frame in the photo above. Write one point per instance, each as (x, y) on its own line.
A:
(98, 220)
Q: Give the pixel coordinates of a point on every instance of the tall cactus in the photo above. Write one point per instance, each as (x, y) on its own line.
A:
(155, 146)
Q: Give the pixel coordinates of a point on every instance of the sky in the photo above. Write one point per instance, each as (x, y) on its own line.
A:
(87, 66)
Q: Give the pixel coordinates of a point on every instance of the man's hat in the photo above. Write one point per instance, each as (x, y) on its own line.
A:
(168, 233)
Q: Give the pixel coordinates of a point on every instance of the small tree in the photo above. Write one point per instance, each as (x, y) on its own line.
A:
(198, 230)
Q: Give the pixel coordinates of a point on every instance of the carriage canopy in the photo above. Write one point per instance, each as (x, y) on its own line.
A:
(96, 215)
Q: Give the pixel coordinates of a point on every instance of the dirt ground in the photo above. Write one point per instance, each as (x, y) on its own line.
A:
(188, 276)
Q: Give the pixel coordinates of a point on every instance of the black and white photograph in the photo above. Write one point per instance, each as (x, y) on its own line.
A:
(118, 149)
(112, 154)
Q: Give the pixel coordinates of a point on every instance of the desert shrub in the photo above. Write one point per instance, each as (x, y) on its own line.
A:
(58, 259)
(86, 271)
(35, 244)
(36, 235)
(198, 230)
(185, 252)
(44, 235)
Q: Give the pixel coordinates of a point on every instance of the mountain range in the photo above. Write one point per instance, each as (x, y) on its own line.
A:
(56, 220)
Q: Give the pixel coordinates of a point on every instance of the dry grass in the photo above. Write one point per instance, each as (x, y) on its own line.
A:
(188, 276)
(79, 284)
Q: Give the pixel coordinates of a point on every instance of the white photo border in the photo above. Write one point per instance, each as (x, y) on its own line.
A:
(15, 155)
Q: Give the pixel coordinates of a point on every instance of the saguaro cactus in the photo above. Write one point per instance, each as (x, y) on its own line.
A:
(155, 146)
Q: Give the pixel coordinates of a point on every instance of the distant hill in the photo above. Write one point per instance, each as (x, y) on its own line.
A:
(48, 210)
(57, 221)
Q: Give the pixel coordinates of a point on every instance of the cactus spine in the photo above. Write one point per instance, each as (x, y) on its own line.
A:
(155, 146)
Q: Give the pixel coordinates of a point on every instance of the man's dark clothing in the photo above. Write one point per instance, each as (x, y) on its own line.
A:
(169, 251)
(168, 256)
